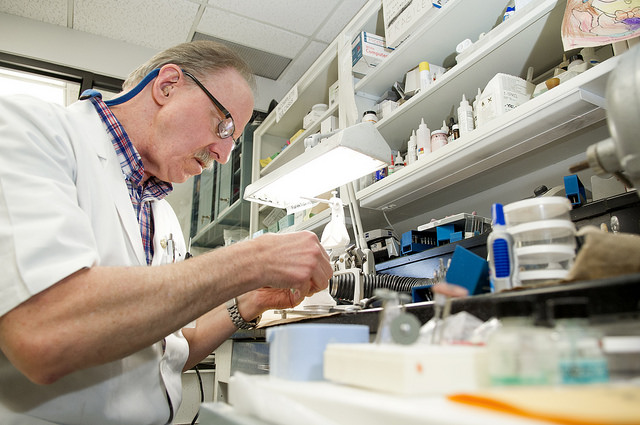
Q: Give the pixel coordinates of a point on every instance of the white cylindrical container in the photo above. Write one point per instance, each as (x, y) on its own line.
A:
(544, 238)
(425, 75)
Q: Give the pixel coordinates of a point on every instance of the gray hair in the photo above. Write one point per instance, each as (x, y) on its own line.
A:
(200, 58)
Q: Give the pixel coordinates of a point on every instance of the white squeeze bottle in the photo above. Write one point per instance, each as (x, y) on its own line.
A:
(412, 149)
(423, 139)
(465, 116)
(399, 163)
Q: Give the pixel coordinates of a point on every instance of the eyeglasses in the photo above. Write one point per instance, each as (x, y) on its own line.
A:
(226, 127)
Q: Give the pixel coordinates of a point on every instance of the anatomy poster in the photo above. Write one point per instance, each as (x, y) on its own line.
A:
(589, 23)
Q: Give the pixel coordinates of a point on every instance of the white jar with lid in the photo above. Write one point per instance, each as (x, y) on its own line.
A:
(370, 116)
(317, 111)
(438, 139)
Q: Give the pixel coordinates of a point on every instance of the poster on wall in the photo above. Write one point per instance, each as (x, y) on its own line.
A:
(590, 23)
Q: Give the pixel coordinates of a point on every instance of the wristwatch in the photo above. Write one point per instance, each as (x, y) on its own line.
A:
(236, 318)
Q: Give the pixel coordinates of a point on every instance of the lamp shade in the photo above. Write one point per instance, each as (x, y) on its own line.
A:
(342, 158)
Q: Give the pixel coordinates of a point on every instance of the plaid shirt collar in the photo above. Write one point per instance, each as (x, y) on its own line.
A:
(142, 193)
(130, 160)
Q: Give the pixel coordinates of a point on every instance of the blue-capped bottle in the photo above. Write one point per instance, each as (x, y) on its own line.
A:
(502, 263)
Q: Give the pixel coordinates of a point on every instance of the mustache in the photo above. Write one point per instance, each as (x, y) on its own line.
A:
(205, 157)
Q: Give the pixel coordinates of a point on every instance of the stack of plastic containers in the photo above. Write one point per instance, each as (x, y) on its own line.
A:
(544, 238)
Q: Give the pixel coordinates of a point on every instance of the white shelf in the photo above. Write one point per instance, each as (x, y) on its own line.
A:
(551, 116)
(510, 48)
(312, 89)
(297, 146)
(434, 41)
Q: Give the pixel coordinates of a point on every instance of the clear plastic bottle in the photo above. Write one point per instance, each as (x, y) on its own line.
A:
(578, 346)
(519, 352)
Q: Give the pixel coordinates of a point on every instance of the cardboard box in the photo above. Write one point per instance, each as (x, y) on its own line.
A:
(502, 94)
(367, 51)
(403, 17)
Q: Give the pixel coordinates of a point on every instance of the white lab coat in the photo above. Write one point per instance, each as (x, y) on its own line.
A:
(64, 206)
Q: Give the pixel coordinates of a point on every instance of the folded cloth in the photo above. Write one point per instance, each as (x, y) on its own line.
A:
(605, 255)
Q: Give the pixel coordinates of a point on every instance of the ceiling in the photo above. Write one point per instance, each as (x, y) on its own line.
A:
(299, 30)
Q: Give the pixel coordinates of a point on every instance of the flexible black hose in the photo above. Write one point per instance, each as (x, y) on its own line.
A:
(342, 286)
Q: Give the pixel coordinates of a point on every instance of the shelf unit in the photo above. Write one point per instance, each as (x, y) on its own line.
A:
(312, 88)
(502, 161)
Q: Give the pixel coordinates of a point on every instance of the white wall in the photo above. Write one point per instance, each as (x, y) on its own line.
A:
(77, 49)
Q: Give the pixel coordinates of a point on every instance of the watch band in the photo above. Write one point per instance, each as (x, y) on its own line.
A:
(236, 318)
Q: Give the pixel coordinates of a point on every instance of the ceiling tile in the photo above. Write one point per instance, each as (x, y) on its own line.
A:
(292, 15)
(151, 23)
(339, 19)
(302, 63)
(248, 32)
(49, 11)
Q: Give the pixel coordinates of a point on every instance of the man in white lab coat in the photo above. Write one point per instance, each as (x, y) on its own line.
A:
(89, 334)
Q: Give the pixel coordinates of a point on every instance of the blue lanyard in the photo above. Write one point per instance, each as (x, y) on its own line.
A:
(125, 97)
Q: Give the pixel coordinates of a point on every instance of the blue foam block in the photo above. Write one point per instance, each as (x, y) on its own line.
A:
(469, 270)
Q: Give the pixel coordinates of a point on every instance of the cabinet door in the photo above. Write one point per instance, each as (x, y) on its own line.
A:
(223, 199)
(205, 198)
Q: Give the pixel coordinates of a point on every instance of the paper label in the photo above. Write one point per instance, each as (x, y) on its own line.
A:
(286, 102)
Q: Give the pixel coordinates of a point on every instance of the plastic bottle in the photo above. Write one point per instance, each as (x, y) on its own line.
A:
(425, 75)
(511, 9)
(519, 353)
(475, 108)
(399, 163)
(392, 166)
(423, 139)
(455, 132)
(501, 255)
(465, 116)
(412, 155)
(580, 358)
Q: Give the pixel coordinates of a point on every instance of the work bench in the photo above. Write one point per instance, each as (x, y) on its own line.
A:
(614, 303)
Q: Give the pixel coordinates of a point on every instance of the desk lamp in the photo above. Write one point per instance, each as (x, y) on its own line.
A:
(336, 161)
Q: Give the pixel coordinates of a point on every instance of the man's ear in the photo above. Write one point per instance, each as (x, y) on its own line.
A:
(168, 78)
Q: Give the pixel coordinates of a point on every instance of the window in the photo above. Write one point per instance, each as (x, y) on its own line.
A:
(50, 82)
(46, 88)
